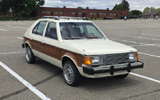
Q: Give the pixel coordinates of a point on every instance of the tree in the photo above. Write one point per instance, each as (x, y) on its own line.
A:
(136, 12)
(149, 9)
(21, 7)
(146, 10)
(114, 7)
(30, 6)
(152, 9)
(4, 6)
(124, 5)
(40, 2)
(158, 9)
(79, 7)
(118, 7)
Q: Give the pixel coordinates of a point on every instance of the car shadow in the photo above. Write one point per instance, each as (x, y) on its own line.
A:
(98, 84)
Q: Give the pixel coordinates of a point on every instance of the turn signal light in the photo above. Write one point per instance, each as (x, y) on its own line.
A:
(88, 60)
(137, 57)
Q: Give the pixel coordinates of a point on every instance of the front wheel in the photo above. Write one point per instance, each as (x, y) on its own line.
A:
(70, 73)
(30, 58)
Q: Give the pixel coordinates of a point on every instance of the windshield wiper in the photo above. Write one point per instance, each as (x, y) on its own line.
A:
(72, 38)
(93, 37)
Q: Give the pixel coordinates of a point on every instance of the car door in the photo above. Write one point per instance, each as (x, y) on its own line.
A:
(51, 43)
(37, 38)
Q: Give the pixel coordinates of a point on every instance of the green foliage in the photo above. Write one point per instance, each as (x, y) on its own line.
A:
(118, 7)
(29, 7)
(4, 6)
(20, 7)
(136, 12)
(125, 5)
(40, 2)
(148, 9)
(158, 9)
(122, 6)
(79, 7)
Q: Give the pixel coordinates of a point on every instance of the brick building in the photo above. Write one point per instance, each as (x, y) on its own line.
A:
(75, 12)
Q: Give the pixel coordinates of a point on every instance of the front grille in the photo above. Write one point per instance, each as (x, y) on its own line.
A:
(116, 58)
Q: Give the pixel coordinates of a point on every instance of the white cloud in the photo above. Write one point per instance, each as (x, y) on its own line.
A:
(102, 4)
(141, 4)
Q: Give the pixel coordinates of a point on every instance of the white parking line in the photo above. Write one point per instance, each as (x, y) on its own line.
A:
(149, 54)
(150, 34)
(145, 77)
(10, 53)
(20, 38)
(144, 44)
(21, 27)
(3, 29)
(27, 84)
(140, 37)
(138, 43)
(17, 26)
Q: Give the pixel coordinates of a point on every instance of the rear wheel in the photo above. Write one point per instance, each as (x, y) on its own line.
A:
(30, 58)
(70, 73)
(122, 76)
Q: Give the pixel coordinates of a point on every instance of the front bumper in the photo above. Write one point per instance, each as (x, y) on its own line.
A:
(22, 45)
(112, 68)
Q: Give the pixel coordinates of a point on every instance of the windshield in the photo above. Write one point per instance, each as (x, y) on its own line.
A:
(79, 30)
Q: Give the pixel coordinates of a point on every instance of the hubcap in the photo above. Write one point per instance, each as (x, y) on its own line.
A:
(28, 54)
(68, 73)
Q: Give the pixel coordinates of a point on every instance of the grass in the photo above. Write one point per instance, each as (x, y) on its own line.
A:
(14, 18)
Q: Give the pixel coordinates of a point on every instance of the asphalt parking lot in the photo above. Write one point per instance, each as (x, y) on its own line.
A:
(47, 80)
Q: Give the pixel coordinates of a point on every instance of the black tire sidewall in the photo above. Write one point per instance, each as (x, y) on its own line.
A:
(32, 59)
(75, 72)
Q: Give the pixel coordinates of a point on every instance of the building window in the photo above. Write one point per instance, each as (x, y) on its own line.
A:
(91, 13)
(79, 13)
(95, 13)
(43, 12)
(104, 13)
(60, 13)
(73, 13)
(55, 12)
(100, 14)
(48, 12)
(112, 14)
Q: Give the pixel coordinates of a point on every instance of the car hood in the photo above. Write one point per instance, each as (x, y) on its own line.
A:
(99, 46)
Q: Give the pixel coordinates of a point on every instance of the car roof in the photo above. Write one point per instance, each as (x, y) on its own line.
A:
(63, 20)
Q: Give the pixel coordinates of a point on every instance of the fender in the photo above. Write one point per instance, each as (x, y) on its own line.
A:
(28, 43)
(70, 56)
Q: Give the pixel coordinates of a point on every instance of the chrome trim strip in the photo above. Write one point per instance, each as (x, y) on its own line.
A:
(116, 66)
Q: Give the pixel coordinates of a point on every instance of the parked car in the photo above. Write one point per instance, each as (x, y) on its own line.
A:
(107, 18)
(79, 48)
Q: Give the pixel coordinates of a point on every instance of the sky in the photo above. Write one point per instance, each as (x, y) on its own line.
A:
(102, 4)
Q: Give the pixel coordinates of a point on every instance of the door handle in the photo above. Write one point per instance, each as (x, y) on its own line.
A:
(43, 42)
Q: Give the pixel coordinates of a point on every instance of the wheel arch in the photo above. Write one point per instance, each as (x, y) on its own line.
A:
(68, 57)
(27, 44)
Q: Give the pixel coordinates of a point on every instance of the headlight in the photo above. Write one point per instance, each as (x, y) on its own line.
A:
(94, 60)
(133, 57)
(97, 60)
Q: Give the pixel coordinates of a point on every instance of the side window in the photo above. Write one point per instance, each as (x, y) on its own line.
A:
(39, 28)
(51, 31)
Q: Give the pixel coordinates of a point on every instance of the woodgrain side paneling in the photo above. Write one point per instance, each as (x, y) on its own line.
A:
(55, 52)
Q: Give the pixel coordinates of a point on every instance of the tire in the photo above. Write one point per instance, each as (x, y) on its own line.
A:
(30, 58)
(70, 73)
(122, 76)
